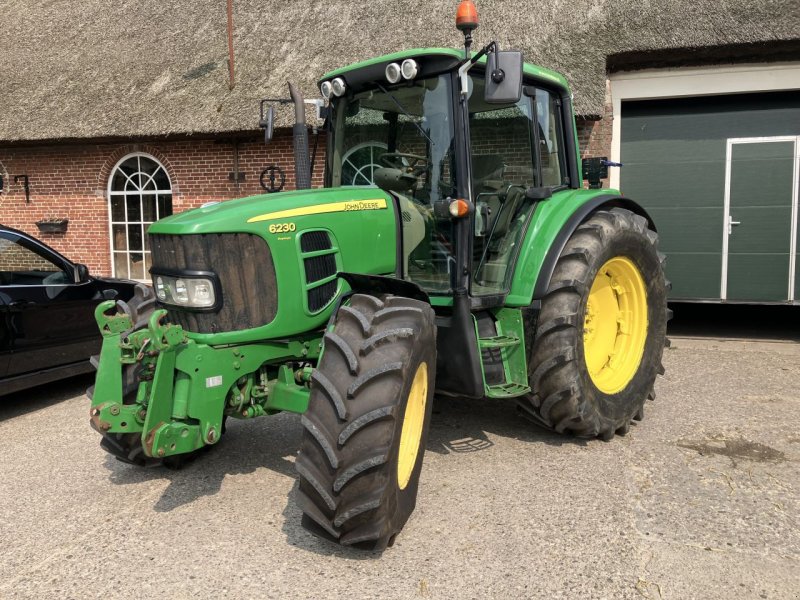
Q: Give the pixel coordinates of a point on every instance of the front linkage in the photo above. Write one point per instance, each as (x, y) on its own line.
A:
(175, 393)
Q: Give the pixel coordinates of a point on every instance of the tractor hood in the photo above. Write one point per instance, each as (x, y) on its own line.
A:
(255, 213)
(275, 258)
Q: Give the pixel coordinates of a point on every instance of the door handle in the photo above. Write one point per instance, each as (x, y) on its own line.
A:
(21, 303)
(732, 224)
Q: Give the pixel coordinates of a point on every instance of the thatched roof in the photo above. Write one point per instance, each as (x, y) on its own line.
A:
(99, 69)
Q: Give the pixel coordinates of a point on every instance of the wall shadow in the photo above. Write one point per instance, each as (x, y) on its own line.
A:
(737, 321)
(43, 396)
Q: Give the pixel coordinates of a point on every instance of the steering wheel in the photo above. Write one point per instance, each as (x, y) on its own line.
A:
(395, 160)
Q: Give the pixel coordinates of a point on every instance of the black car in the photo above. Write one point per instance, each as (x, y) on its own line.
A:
(47, 302)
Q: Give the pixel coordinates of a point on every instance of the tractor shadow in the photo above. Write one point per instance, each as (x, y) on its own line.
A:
(461, 425)
(245, 448)
(458, 426)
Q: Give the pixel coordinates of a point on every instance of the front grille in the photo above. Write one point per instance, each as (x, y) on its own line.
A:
(318, 268)
(243, 263)
(315, 240)
(318, 297)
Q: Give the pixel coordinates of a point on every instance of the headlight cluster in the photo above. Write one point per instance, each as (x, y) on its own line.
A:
(336, 86)
(407, 70)
(191, 292)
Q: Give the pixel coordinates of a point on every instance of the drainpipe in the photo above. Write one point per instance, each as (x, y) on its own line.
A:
(302, 166)
(231, 81)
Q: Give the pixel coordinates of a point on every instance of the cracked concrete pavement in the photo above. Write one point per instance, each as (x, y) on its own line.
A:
(700, 500)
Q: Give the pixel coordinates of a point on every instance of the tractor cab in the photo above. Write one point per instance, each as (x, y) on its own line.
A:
(466, 164)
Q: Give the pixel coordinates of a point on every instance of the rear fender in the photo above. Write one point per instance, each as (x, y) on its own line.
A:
(553, 223)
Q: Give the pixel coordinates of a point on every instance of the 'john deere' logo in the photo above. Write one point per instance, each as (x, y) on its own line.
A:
(319, 209)
(365, 205)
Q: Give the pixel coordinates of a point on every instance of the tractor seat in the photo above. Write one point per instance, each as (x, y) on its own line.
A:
(487, 171)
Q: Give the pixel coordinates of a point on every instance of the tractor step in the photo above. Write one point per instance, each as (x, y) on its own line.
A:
(506, 346)
(499, 341)
(506, 390)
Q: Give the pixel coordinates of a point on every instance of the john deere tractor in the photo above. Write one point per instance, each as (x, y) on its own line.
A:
(452, 251)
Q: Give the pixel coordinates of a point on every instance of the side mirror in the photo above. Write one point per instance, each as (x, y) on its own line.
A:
(267, 122)
(538, 193)
(503, 77)
(81, 273)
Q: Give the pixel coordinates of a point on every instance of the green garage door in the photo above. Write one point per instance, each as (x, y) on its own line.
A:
(719, 176)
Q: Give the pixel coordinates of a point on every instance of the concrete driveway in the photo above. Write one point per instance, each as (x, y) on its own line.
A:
(700, 500)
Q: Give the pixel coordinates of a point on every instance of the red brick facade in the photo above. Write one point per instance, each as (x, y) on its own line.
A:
(71, 181)
(594, 137)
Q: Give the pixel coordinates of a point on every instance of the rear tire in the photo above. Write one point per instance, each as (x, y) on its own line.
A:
(367, 422)
(609, 281)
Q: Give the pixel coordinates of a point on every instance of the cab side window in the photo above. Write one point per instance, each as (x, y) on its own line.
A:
(20, 265)
(503, 143)
(550, 128)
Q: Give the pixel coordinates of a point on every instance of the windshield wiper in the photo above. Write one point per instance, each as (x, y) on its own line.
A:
(405, 112)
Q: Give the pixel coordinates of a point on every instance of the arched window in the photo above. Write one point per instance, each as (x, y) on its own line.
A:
(139, 193)
(360, 162)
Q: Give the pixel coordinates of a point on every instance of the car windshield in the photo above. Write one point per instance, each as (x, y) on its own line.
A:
(401, 140)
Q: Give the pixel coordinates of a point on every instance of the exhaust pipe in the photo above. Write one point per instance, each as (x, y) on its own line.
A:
(302, 164)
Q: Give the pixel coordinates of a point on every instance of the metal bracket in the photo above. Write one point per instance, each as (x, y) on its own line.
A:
(164, 337)
(25, 185)
(470, 62)
(111, 324)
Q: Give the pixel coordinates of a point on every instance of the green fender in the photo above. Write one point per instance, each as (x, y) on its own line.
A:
(552, 224)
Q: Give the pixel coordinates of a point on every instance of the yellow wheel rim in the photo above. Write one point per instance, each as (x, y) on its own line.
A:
(413, 421)
(615, 325)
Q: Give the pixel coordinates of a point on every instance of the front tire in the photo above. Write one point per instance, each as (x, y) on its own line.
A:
(601, 330)
(365, 429)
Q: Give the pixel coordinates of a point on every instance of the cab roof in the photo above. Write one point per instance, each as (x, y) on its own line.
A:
(377, 64)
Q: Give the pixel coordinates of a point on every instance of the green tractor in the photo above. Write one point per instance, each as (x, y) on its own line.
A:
(452, 250)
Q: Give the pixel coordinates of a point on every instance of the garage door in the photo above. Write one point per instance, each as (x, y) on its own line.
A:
(719, 175)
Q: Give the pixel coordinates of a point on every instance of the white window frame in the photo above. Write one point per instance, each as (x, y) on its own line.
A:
(651, 84)
(373, 163)
(728, 220)
(124, 194)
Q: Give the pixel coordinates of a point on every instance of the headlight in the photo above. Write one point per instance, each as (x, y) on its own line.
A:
(191, 291)
(338, 86)
(393, 72)
(409, 68)
(325, 89)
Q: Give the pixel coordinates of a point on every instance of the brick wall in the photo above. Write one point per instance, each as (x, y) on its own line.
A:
(14, 257)
(594, 136)
(70, 181)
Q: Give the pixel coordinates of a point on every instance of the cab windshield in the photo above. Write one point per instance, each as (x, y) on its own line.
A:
(401, 140)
